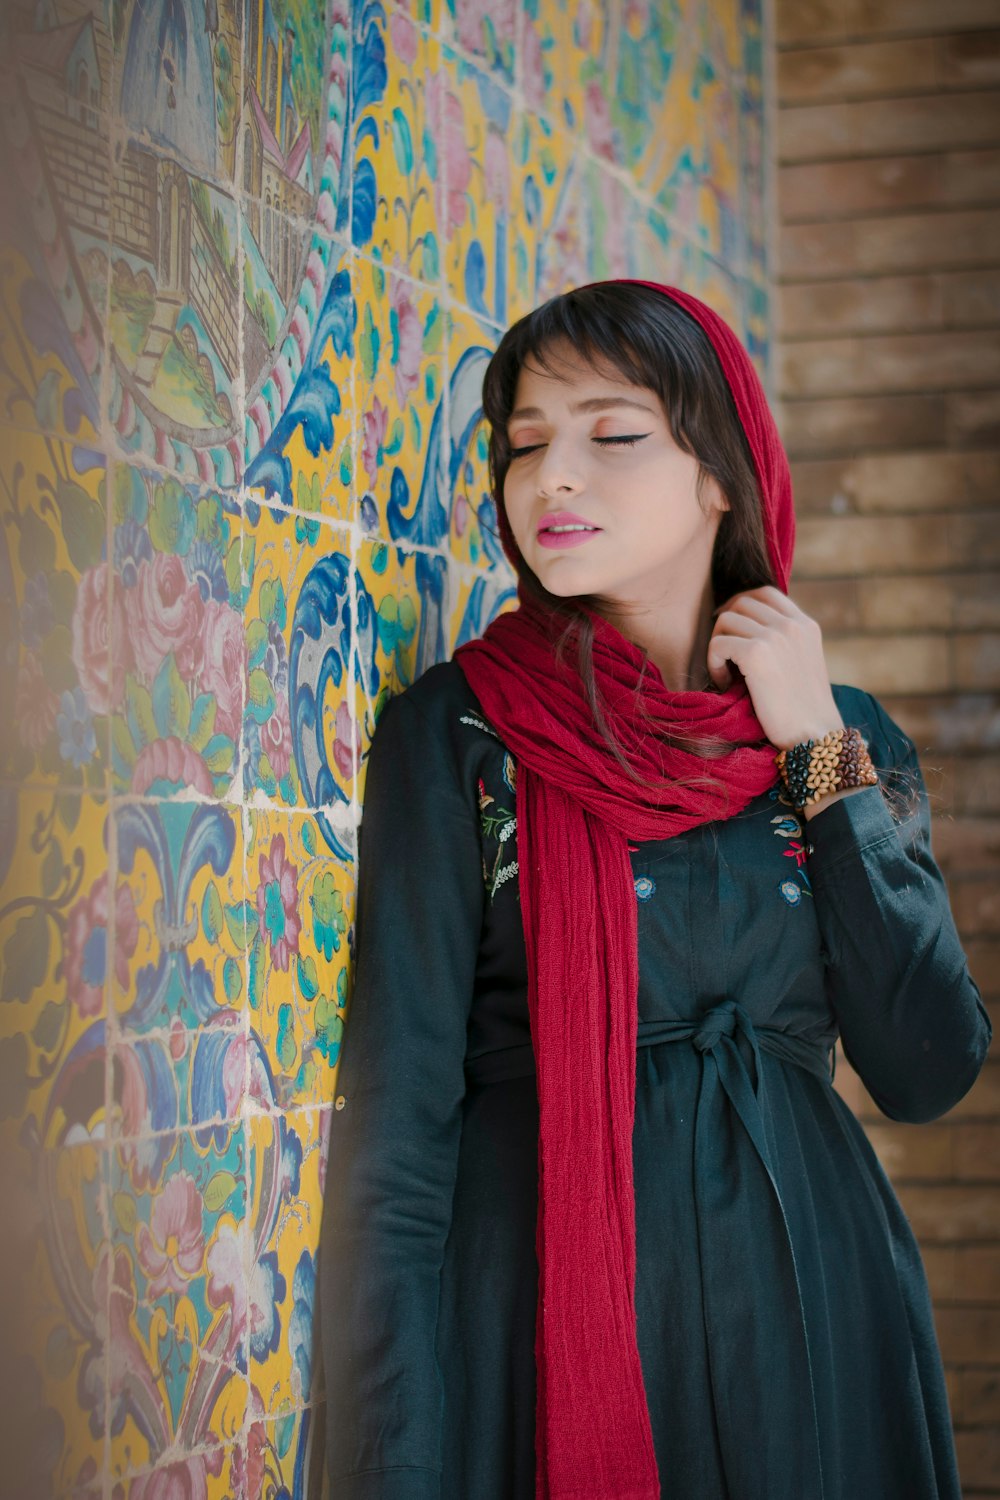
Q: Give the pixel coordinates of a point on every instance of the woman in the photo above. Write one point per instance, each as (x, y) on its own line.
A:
(597, 1224)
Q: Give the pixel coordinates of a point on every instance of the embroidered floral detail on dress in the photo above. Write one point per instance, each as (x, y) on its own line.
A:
(793, 888)
(479, 724)
(645, 885)
(497, 825)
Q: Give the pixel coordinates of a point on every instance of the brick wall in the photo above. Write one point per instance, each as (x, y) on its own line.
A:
(888, 379)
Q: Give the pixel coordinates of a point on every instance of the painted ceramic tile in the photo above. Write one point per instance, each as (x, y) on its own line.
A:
(398, 209)
(284, 1456)
(475, 599)
(296, 733)
(485, 32)
(211, 1474)
(472, 532)
(56, 222)
(286, 1204)
(179, 669)
(58, 1313)
(179, 958)
(283, 239)
(477, 133)
(723, 24)
(547, 235)
(752, 158)
(54, 657)
(401, 611)
(720, 230)
(398, 394)
(298, 960)
(58, 909)
(714, 285)
(299, 425)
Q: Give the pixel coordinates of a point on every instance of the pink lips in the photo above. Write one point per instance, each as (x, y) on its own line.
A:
(564, 538)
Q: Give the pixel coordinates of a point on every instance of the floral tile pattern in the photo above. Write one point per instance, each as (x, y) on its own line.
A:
(253, 272)
(55, 654)
(299, 956)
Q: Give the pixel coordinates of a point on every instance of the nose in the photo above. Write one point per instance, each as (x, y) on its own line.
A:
(559, 472)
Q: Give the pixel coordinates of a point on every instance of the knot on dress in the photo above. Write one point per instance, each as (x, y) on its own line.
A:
(722, 1020)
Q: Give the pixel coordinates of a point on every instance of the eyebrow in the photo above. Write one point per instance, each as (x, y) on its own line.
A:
(593, 403)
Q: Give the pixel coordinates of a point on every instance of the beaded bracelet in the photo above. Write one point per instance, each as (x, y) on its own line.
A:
(814, 768)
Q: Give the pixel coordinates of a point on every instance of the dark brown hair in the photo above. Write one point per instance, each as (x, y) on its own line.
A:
(651, 341)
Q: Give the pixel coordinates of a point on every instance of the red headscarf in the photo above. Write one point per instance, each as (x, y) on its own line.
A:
(576, 815)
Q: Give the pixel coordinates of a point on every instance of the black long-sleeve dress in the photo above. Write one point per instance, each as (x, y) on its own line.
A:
(784, 1323)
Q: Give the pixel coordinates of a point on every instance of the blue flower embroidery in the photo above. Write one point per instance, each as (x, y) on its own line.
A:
(789, 827)
(644, 887)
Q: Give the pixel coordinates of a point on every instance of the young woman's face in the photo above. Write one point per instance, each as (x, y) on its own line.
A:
(591, 445)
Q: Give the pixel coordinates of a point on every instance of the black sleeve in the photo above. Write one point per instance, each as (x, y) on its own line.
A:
(912, 1020)
(393, 1146)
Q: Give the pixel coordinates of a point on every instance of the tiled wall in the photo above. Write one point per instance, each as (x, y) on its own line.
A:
(255, 259)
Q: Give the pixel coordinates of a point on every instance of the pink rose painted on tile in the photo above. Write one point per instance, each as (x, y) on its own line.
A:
(409, 340)
(224, 666)
(172, 1247)
(165, 613)
(103, 683)
(376, 427)
(444, 106)
(186, 1479)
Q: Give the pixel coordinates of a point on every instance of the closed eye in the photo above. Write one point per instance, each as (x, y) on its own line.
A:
(627, 440)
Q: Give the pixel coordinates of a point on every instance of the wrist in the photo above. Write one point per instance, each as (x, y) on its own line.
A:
(816, 769)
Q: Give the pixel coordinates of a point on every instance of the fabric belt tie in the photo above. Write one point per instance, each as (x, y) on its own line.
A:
(754, 1371)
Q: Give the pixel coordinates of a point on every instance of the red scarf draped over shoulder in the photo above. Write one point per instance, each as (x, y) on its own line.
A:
(576, 815)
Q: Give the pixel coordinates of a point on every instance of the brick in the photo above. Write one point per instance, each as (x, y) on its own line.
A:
(884, 663)
(977, 660)
(941, 1265)
(833, 602)
(919, 603)
(972, 417)
(834, 73)
(984, 966)
(976, 1396)
(978, 1452)
(969, 297)
(977, 600)
(970, 845)
(951, 1212)
(889, 362)
(974, 540)
(924, 1152)
(901, 242)
(976, 1152)
(868, 544)
(963, 1273)
(812, 21)
(853, 306)
(975, 906)
(873, 127)
(971, 58)
(851, 425)
(875, 483)
(840, 189)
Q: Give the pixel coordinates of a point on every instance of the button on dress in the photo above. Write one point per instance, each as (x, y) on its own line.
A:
(784, 1323)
